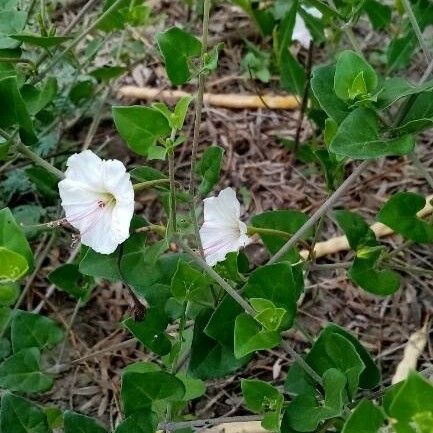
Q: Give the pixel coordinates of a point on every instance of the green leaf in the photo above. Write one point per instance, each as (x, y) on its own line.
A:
(33, 330)
(250, 336)
(189, 284)
(365, 142)
(12, 236)
(379, 14)
(40, 41)
(180, 111)
(141, 127)
(288, 221)
(37, 98)
(366, 418)
(81, 92)
(400, 51)
(364, 272)
(277, 284)
(14, 112)
(21, 372)
(44, 181)
(11, 21)
(138, 263)
(12, 265)
(142, 422)
(100, 265)
(140, 389)
(395, 88)
(9, 292)
(210, 359)
(291, 72)
(413, 401)
(350, 71)
(320, 358)
(209, 167)
(178, 47)
(221, 326)
(355, 228)
(322, 80)
(399, 213)
(117, 17)
(107, 73)
(22, 415)
(150, 331)
(194, 388)
(261, 397)
(419, 115)
(304, 413)
(69, 279)
(77, 423)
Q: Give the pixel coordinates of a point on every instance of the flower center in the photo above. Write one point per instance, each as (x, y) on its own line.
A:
(107, 199)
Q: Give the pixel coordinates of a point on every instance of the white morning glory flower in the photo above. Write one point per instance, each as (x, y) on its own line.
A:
(300, 30)
(98, 199)
(222, 231)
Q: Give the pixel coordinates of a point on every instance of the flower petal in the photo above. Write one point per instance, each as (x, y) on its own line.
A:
(86, 168)
(301, 32)
(223, 210)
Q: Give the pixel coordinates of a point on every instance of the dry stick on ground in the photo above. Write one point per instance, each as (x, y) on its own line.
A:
(227, 100)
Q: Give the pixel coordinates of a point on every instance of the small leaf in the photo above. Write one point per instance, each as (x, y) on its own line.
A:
(15, 113)
(250, 336)
(150, 331)
(107, 73)
(100, 265)
(77, 423)
(260, 396)
(351, 70)
(355, 228)
(21, 372)
(178, 47)
(37, 98)
(400, 214)
(33, 330)
(322, 80)
(140, 127)
(365, 142)
(189, 284)
(11, 21)
(194, 388)
(209, 167)
(12, 265)
(378, 13)
(141, 422)
(40, 41)
(22, 415)
(366, 418)
(69, 279)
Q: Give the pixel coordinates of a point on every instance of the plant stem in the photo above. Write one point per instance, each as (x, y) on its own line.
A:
(28, 153)
(172, 184)
(149, 184)
(204, 423)
(417, 30)
(197, 122)
(215, 276)
(323, 209)
(252, 230)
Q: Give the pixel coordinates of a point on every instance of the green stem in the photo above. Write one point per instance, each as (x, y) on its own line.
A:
(28, 153)
(157, 228)
(252, 230)
(149, 184)
(172, 184)
(197, 122)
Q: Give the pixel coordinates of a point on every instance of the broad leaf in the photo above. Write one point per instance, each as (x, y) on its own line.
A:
(21, 372)
(366, 142)
(142, 422)
(34, 330)
(19, 415)
(40, 41)
(251, 337)
(209, 167)
(140, 127)
(77, 423)
(12, 265)
(399, 213)
(354, 77)
(366, 418)
(178, 47)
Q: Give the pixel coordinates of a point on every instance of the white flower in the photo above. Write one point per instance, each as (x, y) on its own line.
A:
(222, 231)
(300, 30)
(98, 199)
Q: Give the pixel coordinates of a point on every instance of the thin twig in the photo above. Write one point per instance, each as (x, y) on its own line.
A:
(197, 122)
(323, 209)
